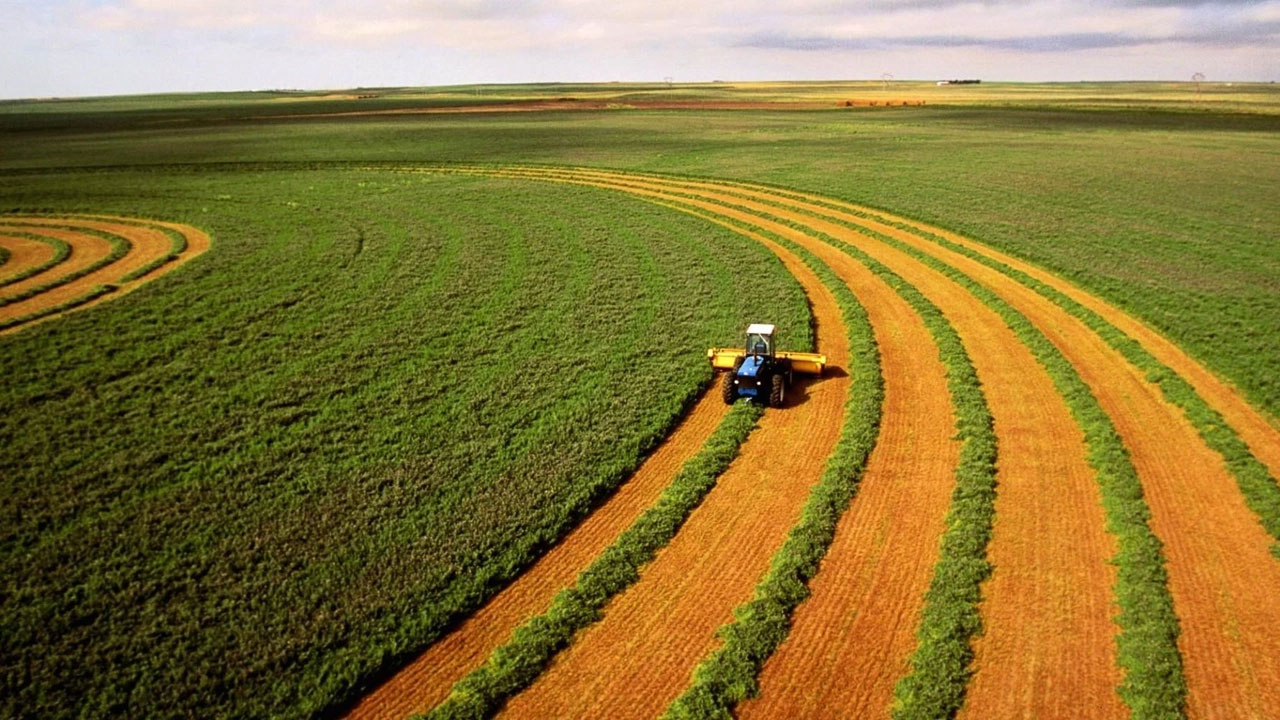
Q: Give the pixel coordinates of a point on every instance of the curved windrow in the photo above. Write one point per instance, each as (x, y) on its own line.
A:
(1078, 598)
(61, 263)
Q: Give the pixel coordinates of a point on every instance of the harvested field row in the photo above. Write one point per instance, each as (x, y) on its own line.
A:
(1058, 633)
(638, 657)
(426, 681)
(1211, 590)
(26, 256)
(108, 256)
(1034, 427)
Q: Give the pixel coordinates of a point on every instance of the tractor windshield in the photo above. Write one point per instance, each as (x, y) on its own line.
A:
(758, 344)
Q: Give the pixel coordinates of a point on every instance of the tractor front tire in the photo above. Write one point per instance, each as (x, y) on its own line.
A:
(727, 389)
(777, 391)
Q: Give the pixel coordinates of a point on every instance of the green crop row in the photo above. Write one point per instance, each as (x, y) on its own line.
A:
(1260, 489)
(61, 251)
(119, 248)
(729, 674)
(1154, 685)
(516, 664)
(178, 245)
(149, 268)
(93, 293)
(950, 616)
(317, 447)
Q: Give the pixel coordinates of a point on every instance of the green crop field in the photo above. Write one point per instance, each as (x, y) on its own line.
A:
(266, 480)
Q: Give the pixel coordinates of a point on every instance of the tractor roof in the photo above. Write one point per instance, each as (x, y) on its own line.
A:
(759, 329)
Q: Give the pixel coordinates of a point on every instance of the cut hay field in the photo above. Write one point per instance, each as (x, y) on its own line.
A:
(336, 404)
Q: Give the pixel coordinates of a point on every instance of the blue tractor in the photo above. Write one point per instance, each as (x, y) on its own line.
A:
(759, 371)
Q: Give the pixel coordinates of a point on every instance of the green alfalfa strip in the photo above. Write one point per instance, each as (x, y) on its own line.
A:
(1260, 488)
(96, 292)
(731, 673)
(513, 666)
(950, 616)
(119, 248)
(1154, 685)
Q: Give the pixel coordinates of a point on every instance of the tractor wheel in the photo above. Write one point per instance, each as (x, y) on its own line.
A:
(727, 389)
(777, 391)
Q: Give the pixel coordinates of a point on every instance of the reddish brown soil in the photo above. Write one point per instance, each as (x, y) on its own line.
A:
(426, 682)
(24, 253)
(148, 244)
(638, 657)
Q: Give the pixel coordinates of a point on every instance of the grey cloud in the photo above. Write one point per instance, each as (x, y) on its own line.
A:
(1233, 36)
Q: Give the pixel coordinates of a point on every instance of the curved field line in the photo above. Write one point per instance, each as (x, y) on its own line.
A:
(426, 681)
(26, 255)
(1045, 482)
(638, 657)
(850, 642)
(87, 250)
(1224, 584)
(151, 253)
(1259, 434)
(1228, 610)
(1255, 429)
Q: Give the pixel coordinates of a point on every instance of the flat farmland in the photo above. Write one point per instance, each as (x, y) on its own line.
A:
(389, 403)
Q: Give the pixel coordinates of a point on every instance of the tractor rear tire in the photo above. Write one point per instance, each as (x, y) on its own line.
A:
(777, 391)
(727, 389)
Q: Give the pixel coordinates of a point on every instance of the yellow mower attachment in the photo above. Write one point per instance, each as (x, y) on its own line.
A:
(801, 362)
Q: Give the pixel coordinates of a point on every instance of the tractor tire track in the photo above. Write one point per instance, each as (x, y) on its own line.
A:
(637, 658)
(426, 681)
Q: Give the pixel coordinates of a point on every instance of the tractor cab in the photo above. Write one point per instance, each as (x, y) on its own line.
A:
(760, 340)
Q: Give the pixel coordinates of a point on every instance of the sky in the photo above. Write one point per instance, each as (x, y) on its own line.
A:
(65, 48)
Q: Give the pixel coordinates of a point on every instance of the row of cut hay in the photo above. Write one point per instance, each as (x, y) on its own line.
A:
(1154, 685)
(1147, 644)
(513, 666)
(943, 692)
(121, 248)
(61, 251)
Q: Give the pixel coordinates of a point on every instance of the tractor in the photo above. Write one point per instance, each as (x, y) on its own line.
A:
(759, 371)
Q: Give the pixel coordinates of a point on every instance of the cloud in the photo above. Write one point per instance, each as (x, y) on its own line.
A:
(1222, 37)
(99, 46)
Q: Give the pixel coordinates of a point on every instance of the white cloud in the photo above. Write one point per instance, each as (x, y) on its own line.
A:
(55, 44)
